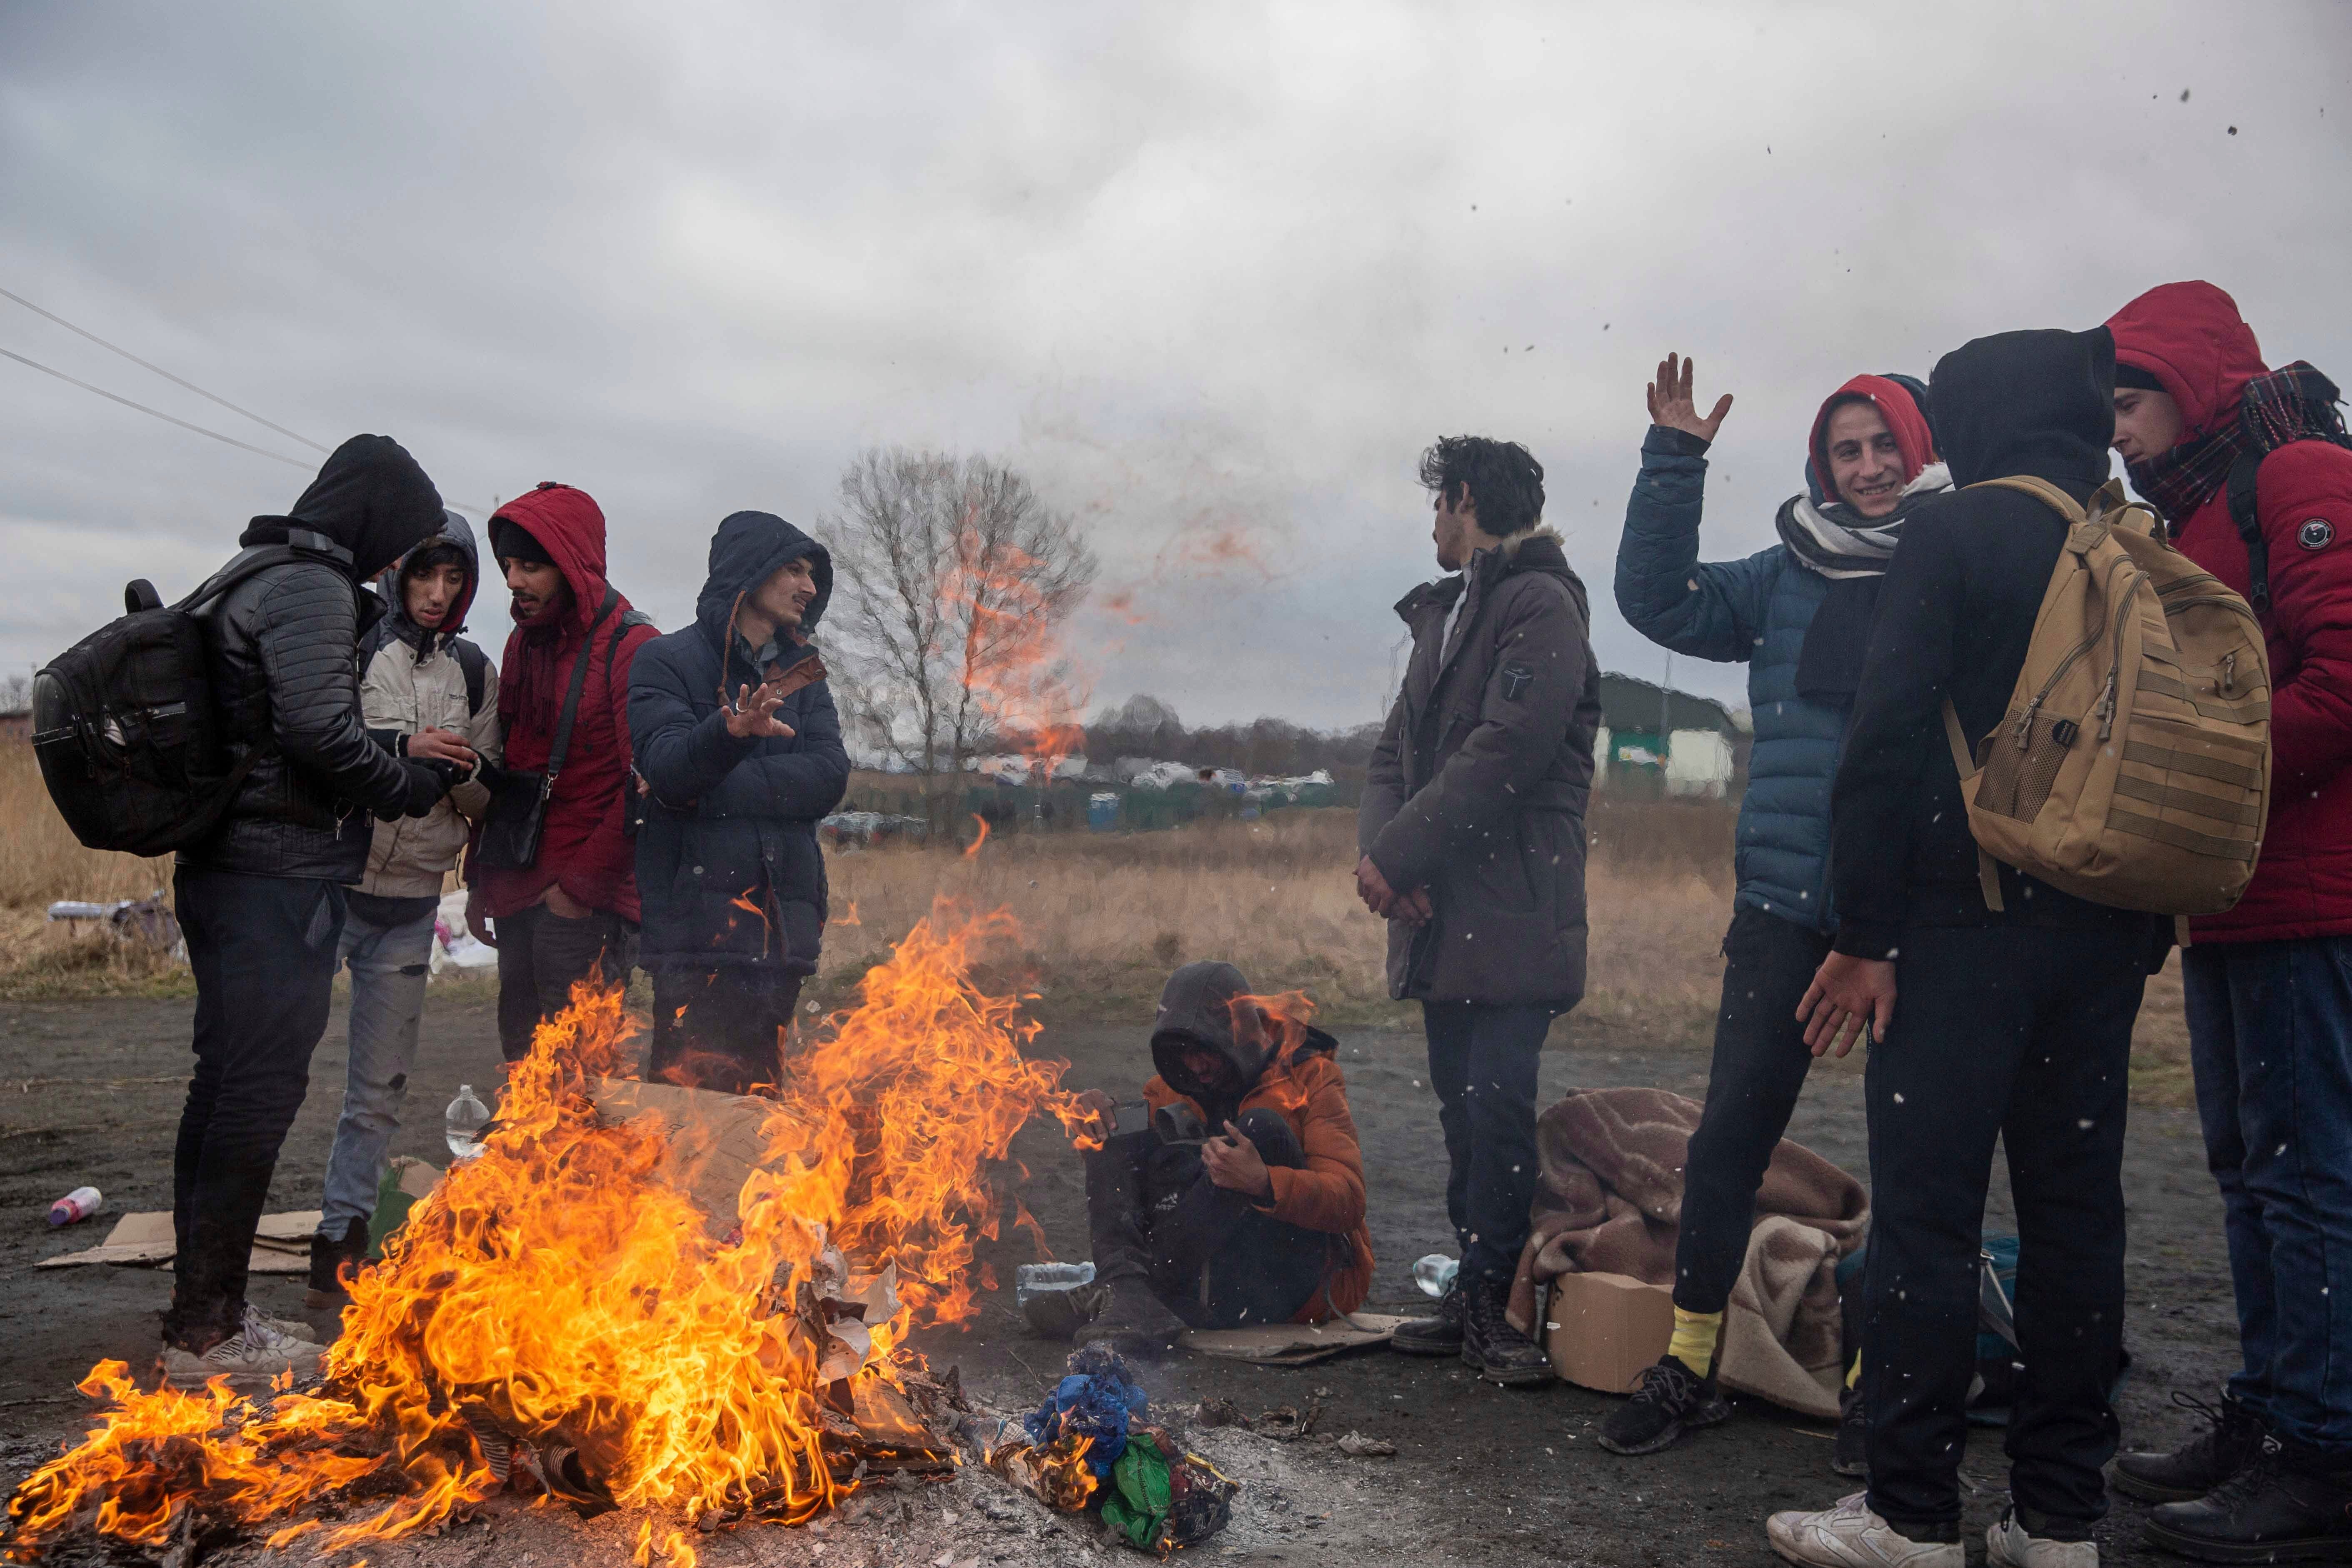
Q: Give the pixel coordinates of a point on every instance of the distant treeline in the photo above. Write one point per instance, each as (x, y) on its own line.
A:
(1144, 726)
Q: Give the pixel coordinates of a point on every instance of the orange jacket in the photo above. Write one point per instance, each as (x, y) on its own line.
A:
(1307, 1089)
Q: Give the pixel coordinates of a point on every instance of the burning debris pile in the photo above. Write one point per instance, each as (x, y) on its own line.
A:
(560, 1317)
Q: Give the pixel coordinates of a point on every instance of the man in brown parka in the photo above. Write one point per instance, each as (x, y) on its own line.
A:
(1472, 832)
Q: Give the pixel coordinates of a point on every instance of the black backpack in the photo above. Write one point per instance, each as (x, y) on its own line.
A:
(123, 722)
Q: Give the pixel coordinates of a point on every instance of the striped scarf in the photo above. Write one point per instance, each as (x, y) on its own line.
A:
(1838, 542)
(2298, 403)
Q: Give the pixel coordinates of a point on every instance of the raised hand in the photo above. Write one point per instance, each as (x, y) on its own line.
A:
(753, 714)
(1671, 403)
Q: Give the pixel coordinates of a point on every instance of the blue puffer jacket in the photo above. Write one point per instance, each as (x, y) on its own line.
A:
(1755, 610)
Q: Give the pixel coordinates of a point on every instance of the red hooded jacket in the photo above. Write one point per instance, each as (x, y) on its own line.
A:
(582, 845)
(2192, 339)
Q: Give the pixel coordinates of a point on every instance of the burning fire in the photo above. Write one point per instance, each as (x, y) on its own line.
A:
(1015, 667)
(559, 1292)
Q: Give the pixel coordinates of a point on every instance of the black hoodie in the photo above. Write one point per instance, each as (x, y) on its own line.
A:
(370, 498)
(727, 868)
(1954, 618)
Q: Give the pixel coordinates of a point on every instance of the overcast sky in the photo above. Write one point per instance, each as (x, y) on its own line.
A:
(1213, 276)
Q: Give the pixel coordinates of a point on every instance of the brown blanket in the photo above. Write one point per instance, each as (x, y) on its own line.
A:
(1610, 1201)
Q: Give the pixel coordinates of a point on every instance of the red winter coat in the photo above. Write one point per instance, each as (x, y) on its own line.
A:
(581, 845)
(2190, 337)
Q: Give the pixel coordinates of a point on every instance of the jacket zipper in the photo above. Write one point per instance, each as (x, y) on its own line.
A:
(2106, 709)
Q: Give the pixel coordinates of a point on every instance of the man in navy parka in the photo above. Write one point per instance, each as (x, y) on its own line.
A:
(739, 746)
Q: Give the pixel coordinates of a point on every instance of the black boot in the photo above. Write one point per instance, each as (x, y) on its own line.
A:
(1671, 1401)
(1438, 1336)
(2279, 1507)
(330, 1258)
(1850, 1454)
(1491, 1347)
(2232, 1434)
(1137, 1323)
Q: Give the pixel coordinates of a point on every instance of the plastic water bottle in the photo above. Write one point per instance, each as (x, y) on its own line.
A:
(466, 1119)
(1033, 1279)
(77, 1205)
(1434, 1274)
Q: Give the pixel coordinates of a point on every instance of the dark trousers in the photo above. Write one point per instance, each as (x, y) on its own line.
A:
(1210, 1254)
(264, 952)
(2270, 1032)
(541, 955)
(720, 1029)
(1760, 1062)
(2022, 1035)
(1482, 1063)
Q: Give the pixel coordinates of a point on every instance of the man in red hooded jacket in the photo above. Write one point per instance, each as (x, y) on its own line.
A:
(572, 914)
(2269, 984)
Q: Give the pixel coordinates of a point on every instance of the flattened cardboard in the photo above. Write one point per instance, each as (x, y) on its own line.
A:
(1292, 1344)
(280, 1246)
(1604, 1330)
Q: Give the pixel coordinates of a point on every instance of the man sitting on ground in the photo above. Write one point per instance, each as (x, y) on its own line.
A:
(1242, 1201)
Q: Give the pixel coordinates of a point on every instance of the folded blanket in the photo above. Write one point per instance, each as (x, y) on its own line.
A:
(1610, 1201)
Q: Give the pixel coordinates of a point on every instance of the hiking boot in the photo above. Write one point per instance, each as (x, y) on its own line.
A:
(2050, 1544)
(1438, 1336)
(2267, 1513)
(251, 1359)
(1671, 1401)
(1491, 1347)
(1850, 1454)
(2230, 1437)
(1851, 1536)
(327, 1257)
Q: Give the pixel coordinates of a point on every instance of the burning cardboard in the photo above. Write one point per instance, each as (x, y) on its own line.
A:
(564, 1293)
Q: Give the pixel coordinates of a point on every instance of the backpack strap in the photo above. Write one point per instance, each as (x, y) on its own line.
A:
(476, 665)
(629, 618)
(2246, 513)
(1988, 870)
(2040, 489)
(578, 683)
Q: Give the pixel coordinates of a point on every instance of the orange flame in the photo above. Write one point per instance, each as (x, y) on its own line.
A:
(561, 1287)
(1014, 666)
(850, 918)
(972, 848)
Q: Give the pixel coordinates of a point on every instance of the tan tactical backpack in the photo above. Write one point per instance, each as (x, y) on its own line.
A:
(2133, 768)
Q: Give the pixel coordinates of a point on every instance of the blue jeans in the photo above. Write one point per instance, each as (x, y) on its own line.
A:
(2270, 1036)
(1482, 1063)
(388, 943)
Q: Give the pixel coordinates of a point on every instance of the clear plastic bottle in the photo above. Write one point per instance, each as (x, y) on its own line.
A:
(1434, 1274)
(466, 1119)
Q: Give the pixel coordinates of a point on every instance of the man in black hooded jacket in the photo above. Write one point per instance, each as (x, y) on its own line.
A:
(261, 898)
(2012, 1025)
(735, 735)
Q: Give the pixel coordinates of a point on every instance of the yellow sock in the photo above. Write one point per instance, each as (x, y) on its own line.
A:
(1693, 1341)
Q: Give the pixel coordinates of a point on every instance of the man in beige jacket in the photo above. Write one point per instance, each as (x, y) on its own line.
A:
(426, 692)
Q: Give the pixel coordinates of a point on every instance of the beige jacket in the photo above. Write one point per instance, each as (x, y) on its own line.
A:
(399, 692)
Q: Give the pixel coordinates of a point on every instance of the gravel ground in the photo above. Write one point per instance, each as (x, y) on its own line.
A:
(89, 1093)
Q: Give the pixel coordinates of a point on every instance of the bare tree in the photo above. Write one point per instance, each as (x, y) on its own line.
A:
(954, 580)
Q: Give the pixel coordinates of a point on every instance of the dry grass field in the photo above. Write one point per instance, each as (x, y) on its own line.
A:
(1105, 916)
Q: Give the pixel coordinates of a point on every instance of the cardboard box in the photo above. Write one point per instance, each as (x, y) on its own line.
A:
(1604, 1330)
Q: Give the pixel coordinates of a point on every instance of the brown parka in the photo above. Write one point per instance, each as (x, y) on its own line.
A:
(1478, 787)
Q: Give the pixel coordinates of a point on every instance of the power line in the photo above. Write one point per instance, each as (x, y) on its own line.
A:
(44, 370)
(159, 370)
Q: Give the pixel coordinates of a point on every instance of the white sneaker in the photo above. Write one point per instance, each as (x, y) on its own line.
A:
(1851, 1536)
(254, 1357)
(2007, 1545)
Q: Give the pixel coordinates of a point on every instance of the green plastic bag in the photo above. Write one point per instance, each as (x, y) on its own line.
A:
(1138, 1509)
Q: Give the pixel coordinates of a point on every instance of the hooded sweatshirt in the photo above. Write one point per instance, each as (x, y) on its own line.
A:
(583, 846)
(1954, 616)
(412, 678)
(1765, 611)
(728, 864)
(2191, 337)
(1296, 1073)
(282, 661)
